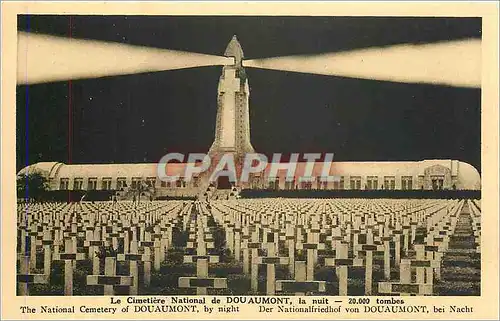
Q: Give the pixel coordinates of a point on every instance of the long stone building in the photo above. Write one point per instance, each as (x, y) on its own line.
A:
(232, 135)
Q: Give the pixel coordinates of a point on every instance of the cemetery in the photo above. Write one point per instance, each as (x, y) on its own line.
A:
(261, 246)
(381, 228)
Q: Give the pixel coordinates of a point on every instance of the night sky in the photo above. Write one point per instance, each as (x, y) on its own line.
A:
(139, 118)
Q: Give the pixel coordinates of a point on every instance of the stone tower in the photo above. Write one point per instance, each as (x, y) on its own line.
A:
(232, 129)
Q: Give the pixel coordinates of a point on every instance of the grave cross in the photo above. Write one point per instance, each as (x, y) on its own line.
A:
(202, 282)
(289, 239)
(312, 253)
(70, 257)
(133, 257)
(147, 245)
(93, 248)
(201, 253)
(46, 242)
(435, 249)
(341, 264)
(254, 247)
(385, 238)
(396, 237)
(109, 279)
(424, 267)
(405, 285)
(270, 261)
(369, 249)
(26, 278)
(34, 234)
(300, 285)
(159, 247)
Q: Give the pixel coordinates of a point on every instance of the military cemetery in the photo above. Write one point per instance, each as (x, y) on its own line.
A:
(251, 246)
(381, 227)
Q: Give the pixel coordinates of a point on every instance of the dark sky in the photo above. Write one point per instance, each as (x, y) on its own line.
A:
(139, 118)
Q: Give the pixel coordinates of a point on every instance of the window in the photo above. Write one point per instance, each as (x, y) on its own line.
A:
(77, 183)
(437, 182)
(289, 185)
(92, 183)
(339, 184)
(255, 181)
(180, 182)
(372, 182)
(420, 182)
(106, 183)
(196, 181)
(321, 183)
(355, 182)
(135, 182)
(306, 184)
(163, 184)
(274, 184)
(121, 182)
(64, 184)
(389, 182)
(151, 181)
(406, 182)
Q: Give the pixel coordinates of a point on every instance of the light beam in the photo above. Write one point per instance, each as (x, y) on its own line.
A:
(452, 63)
(44, 58)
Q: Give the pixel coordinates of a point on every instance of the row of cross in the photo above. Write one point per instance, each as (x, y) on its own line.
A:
(340, 234)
